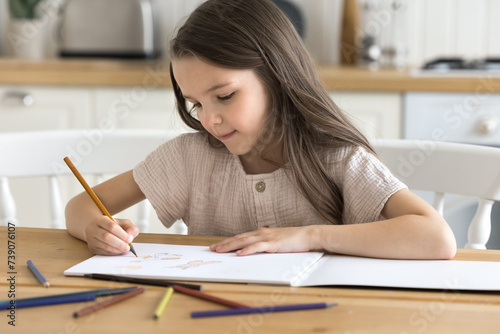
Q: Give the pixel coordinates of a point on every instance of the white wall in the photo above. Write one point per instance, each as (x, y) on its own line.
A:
(430, 28)
(450, 27)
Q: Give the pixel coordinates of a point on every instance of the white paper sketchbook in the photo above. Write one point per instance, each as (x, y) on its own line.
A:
(198, 263)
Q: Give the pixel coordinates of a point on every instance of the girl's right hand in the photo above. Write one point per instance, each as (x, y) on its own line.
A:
(106, 237)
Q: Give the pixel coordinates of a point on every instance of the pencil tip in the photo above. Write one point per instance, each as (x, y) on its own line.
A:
(133, 250)
(46, 284)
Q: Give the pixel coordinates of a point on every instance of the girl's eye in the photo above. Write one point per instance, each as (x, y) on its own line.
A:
(227, 97)
(195, 107)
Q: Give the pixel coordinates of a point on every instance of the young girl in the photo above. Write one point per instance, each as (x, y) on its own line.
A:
(274, 164)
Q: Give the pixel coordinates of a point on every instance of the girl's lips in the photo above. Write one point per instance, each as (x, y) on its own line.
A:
(227, 136)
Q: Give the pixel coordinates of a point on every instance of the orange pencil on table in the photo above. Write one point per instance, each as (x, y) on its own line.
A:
(92, 194)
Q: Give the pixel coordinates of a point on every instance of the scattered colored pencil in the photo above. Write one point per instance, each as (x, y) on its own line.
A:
(38, 274)
(264, 309)
(92, 195)
(141, 281)
(205, 296)
(163, 303)
(97, 292)
(114, 300)
(51, 301)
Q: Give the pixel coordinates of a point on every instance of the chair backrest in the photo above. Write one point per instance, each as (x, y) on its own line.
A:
(443, 167)
(92, 151)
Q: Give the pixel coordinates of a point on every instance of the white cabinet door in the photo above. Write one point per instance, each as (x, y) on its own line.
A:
(377, 115)
(43, 108)
(127, 108)
(37, 109)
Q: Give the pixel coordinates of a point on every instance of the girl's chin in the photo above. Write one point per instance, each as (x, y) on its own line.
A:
(240, 150)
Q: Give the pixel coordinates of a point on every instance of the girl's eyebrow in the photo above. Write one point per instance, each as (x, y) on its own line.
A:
(211, 89)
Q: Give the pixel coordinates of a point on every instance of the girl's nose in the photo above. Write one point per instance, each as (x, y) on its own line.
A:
(212, 116)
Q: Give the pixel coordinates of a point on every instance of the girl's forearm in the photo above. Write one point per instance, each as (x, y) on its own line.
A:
(405, 237)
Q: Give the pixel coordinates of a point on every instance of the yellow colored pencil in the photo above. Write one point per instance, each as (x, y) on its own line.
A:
(163, 303)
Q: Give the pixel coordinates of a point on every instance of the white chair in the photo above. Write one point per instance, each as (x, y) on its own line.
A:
(453, 168)
(93, 151)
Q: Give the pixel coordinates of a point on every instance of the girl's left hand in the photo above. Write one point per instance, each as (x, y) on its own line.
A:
(270, 240)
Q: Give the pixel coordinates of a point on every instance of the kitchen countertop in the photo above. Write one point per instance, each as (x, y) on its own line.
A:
(122, 73)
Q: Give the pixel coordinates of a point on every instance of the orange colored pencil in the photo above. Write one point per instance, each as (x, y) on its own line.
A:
(114, 300)
(92, 195)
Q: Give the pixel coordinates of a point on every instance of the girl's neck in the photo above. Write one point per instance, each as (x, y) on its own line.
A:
(254, 163)
(257, 165)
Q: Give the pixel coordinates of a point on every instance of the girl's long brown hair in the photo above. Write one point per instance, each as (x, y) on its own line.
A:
(305, 123)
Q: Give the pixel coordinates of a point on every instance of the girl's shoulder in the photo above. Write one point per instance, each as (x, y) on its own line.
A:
(351, 158)
(345, 153)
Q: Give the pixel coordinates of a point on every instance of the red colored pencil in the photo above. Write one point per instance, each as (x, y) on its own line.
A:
(205, 296)
(114, 300)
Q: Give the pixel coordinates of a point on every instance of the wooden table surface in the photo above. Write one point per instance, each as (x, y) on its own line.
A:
(360, 310)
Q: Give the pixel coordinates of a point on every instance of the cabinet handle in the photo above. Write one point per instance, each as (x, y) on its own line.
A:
(488, 126)
(25, 99)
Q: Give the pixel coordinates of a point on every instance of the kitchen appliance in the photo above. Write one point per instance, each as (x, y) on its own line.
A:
(460, 67)
(471, 118)
(110, 28)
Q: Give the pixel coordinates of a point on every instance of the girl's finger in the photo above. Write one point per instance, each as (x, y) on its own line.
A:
(258, 247)
(235, 243)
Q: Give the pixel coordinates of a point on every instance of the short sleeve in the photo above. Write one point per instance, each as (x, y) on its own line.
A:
(162, 179)
(367, 185)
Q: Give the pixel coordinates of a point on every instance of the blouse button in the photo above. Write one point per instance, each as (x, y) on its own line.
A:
(260, 186)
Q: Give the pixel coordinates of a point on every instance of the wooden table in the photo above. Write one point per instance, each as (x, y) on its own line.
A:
(359, 310)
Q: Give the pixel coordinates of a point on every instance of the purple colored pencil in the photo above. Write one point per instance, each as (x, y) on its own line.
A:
(263, 309)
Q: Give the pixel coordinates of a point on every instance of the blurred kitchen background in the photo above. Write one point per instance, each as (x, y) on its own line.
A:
(416, 31)
(399, 68)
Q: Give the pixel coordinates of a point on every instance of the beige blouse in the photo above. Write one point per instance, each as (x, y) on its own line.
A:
(208, 189)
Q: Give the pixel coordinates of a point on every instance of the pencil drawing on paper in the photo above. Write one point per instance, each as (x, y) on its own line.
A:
(194, 264)
(157, 257)
(135, 263)
(136, 267)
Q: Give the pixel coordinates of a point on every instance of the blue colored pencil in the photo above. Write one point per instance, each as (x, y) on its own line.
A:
(98, 292)
(52, 301)
(38, 274)
(263, 309)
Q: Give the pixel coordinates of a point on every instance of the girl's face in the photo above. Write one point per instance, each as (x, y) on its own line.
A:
(232, 105)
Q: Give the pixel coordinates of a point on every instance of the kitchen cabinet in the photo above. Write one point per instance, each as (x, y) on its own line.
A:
(131, 108)
(25, 108)
(377, 115)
